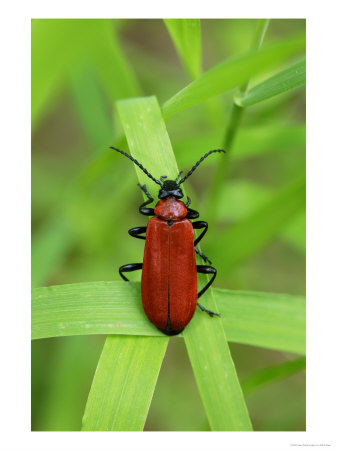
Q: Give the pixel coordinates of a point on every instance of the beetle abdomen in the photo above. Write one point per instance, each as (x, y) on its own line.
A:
(169, 277)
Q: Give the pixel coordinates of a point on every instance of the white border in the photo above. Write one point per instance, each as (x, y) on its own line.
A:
(322, 224)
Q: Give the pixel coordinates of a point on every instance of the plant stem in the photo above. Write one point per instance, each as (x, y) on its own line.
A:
(230, 134)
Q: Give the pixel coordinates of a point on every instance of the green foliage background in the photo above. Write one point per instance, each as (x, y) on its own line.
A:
(85, 198)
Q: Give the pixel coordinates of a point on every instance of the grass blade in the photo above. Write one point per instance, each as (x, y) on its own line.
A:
(289, 78)
(271, 374)
(113, 68)
(247, 237)
(231, 73)
(214, 372)
(186, 35)
(89, 308)
(149, 143)
(259, 140)
(275, 321)
(58, 45)
(124, 383)
(57, 237)
(90, 105)
(148, 140)
(250, 141)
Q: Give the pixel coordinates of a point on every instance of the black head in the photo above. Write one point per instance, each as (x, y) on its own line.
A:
(170, 188)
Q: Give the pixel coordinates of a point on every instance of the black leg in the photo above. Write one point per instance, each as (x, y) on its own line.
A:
(198, 225)
(129, 268)
(134, 232)
(210, 313)
(192, 214)
(188, 202)
(142, 209)
(204, 257)
(207, 270)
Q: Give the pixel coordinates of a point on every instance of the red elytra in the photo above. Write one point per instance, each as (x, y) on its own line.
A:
(169, 278)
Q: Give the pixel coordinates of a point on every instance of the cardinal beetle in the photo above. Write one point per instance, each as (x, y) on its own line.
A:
(169, 271)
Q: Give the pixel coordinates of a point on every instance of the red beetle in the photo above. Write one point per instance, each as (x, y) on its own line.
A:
(169, 278)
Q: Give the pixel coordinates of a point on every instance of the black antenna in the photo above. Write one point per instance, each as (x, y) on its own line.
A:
(137, 164)
(197, 164)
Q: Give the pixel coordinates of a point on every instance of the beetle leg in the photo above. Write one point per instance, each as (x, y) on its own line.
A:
(192, 214)
(204, 257)
(210, 313)
(134, 232)
(197, 226)
(129, 268)
(146, 192)
(142, 209)
(188, 202)
(206, 270)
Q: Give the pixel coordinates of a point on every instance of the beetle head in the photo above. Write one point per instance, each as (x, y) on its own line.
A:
(170, 188)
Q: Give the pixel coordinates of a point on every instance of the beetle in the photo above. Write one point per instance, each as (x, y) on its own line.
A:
(169, 287)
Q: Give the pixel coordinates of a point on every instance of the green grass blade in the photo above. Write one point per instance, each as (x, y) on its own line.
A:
(124, 383)
(91, 106)
(149, 144)
(215, 372)
(89, 308)
(248, 237)
(231, 130)
(231, 73)
(290, 78)
(260, 140)
(295, 232)
(148, 140)
(186, 35)
(241, 199)
(56, 236)
(113, 68)
(58, 45)
(272, 374)
(55, 43)
(275, 321)
(250, 141)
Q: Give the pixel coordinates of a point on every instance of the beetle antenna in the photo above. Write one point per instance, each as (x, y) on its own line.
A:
(179, 175)
(137, 164)
(197, 164)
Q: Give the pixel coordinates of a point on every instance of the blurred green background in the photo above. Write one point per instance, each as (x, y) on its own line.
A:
(85, 198)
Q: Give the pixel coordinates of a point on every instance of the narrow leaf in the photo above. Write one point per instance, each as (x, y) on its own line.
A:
(58, 45)
(124, 382)
(89, 308)
(149, 143)
(91, 106)
(289, 78)
(148, 140)
(272, 374)
(274, 321)
(49, 248)
(248, 237)
(186, 35)
(231, 73)
(250, 141)
(214, 371)
(111, 64)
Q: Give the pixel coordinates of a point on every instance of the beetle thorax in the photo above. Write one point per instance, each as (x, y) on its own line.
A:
(170, 209)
